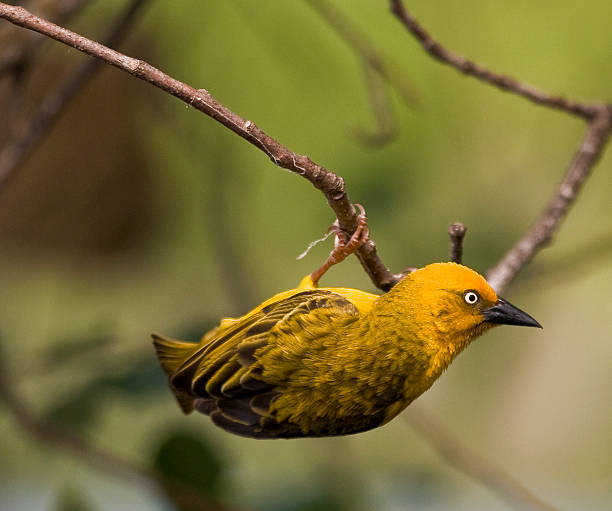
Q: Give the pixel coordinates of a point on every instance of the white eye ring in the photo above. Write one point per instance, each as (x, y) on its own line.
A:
(470, 297)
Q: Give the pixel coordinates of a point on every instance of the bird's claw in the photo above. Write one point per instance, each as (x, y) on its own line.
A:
(345, 246)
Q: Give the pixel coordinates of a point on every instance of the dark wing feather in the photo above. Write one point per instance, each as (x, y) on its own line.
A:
(219, 375)
(204, 362)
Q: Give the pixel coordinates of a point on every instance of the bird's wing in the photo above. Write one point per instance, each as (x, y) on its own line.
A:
(222, 376)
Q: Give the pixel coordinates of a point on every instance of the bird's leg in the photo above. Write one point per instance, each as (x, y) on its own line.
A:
(344, 246)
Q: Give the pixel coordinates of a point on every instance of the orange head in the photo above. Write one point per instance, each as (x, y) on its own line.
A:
(451, 302)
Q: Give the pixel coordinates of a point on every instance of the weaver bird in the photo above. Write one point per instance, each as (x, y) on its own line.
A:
(317, 361)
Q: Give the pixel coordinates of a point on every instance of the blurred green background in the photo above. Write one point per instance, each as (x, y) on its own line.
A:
(138, 214)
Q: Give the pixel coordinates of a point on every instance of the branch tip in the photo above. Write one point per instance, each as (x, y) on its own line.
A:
(456, 233)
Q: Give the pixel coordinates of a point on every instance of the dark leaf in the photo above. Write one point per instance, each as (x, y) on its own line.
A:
(189, 459)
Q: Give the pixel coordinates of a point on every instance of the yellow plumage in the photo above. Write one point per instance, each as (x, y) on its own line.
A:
(330, 361)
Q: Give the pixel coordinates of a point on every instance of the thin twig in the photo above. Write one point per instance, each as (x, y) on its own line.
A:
(472, 463)
(58, 437)
(456, 233)
(331, 185)
(27, 138)
(542, 232)
(504, 82)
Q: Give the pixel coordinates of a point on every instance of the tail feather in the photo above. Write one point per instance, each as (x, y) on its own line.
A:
(171, 354)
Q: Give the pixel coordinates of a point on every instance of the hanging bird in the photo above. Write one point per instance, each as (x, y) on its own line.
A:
(316, 361)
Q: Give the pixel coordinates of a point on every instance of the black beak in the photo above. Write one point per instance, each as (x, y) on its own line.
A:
(505, 313)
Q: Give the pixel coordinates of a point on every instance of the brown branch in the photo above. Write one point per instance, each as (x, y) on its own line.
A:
(456, 233)
(331, 185)
(472, 463)
(541, 234)
(504, 82)
(57, 437)
(38, 125)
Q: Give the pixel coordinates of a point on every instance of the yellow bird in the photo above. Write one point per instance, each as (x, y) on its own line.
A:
(316, 361)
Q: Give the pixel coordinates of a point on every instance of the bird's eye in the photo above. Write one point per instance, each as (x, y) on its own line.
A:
(470, 297)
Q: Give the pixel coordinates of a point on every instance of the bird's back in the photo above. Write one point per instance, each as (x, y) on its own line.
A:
(242, 367)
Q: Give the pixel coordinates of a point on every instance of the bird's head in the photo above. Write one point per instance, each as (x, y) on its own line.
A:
(453, 302)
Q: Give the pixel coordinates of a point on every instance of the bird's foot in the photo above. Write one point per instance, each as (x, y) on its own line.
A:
(344, 246)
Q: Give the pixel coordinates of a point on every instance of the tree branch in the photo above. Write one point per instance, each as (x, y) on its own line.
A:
(542, 232)
(456, 233)
(503, 82)
(331, 185)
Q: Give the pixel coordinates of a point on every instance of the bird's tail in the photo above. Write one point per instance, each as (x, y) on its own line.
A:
(171, 354)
